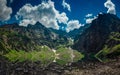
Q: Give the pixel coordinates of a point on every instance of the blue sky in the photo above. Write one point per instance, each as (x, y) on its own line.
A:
(79, 9)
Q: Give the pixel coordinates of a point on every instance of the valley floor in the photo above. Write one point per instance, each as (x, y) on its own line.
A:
(97, 68)
(81, 68)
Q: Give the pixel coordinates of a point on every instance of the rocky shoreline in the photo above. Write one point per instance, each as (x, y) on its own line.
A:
(80, 68)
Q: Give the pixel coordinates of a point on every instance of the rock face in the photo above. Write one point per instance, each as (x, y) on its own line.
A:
(81, 68)
(94, 38)
(74, 34)
(28, 38)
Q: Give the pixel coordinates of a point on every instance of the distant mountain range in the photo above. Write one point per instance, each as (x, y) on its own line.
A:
(28, 38)
(101, 37)
(74, 34)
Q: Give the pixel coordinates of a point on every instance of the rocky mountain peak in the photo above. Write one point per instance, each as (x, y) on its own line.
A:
(94, 38)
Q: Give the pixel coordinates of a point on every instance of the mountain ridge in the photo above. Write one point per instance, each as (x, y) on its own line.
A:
(28, 38)
(99, 35)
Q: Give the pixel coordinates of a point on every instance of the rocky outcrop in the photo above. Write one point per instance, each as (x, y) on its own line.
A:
(80, 68)
(29, 38)
(94, 38)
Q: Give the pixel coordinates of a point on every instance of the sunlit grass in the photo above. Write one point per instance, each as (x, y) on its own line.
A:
(45, 55)
(67, 55)
(102, 54)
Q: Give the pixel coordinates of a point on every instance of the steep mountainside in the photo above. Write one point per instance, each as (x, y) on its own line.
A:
(74, 34)
(60, 32)
(28, 38)
(77, 32)
(103, 31)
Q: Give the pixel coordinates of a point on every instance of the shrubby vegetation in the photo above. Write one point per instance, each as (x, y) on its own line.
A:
(67, 55)
(45, 55)
(107, 53)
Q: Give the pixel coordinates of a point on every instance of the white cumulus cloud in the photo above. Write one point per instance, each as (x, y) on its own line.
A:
(27, 21)
(62, 18)
(44, 13)
(89, 15)
(66, 5)
(5, 11)
(89, 18)
(73, 24)
(111, 7)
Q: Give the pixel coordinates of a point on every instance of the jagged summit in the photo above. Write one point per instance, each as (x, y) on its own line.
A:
(94, 38)
(13, 36)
